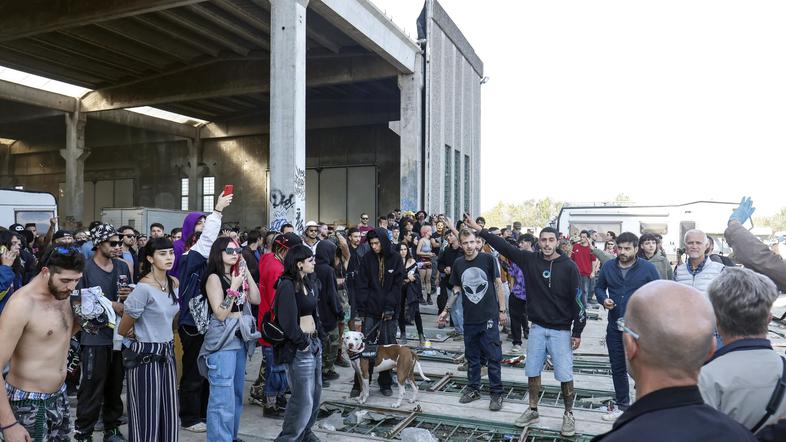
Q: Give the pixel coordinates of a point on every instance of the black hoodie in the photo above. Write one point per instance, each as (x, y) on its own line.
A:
(329, 307)
(553, 294)
(375, 293)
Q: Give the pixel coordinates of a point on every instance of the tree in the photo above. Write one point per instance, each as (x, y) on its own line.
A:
(531, 213)
(776, 222)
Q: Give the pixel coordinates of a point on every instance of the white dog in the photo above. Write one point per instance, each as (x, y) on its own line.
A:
(388, 357)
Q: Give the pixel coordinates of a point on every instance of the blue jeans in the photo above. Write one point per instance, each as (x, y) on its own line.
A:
(482, 343)
(304, 375)
(584, 285)
(226, 372)
(543, 341)
(619, 370)
(457, 314)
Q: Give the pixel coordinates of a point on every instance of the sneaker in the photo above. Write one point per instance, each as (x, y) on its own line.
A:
(79, 437)
(516, 349)
(568, 425)
(496, 402)
(462, 367)
(272, 412)
(114, 435)
(330, 375)
(527, 418)
(354, 394)
(281, 401)
(198, 427)
(612, 415)
(469, 396)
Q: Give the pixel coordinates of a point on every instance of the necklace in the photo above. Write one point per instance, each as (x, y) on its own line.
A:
(162, 284)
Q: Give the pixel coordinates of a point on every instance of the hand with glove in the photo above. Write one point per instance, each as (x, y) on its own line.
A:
(743, 212)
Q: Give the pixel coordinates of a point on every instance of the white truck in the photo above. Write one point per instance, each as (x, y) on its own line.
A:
(140, 218)
(670, 221)
(24, 206)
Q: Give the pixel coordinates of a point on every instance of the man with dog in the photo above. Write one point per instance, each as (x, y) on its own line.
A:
(484, 309)
(378, 296)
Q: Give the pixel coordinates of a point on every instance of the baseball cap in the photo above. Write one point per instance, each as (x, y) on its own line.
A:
(288, 240)
(18, 228)
(61, 234)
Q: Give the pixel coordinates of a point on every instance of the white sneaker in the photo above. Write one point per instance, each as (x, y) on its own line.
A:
(612, 415)
(516, 349)
(199, 427)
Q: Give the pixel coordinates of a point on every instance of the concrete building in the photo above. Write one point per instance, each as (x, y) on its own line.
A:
(312, 109)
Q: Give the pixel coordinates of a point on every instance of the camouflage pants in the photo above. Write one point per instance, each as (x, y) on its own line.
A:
(44, 415)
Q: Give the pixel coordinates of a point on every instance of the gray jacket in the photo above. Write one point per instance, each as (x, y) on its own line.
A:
(755, 255)
(663, 265)
(221, 335)
(739, 383)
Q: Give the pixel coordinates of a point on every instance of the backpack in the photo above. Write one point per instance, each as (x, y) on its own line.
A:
(271, 330)
(192, 290)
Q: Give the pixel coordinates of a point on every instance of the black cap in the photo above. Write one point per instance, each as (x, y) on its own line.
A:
(288, 240)
(61, 234)
(18, 228)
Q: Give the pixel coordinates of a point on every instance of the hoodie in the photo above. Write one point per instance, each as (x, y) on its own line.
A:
(330, 310)
(189, 224)
(379, 279)
(553, 294)
(270, 268)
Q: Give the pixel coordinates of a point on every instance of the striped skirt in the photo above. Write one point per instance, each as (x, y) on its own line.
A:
(152, 396)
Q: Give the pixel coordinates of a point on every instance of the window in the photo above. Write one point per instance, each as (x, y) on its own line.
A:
(448, 178)
(184, 194)
(466, 184)
(208, 192)
(457, 185)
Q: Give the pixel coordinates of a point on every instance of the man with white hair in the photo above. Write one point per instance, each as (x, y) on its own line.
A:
(665, 349)
(698, 271)
(740, 378)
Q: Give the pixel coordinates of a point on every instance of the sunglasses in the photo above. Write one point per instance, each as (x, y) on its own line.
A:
(232, 250)
(364, 218)
(115, 243)
(311, 230)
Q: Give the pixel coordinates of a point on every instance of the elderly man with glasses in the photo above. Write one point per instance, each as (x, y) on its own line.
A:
(668, 334)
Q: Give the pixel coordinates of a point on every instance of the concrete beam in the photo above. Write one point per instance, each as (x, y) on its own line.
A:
(229, 77)
(141, 121)
(23, 94)
(368, 26)
(287, 192)
(19, 19)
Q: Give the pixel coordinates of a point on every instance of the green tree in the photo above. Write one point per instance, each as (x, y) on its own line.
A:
(776, 222)
(531, 213)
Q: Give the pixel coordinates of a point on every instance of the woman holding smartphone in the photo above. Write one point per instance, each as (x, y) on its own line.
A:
(148, 351)
(230, 338)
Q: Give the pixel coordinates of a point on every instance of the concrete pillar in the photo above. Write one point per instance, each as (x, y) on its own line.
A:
(194, 158)
(287, 202)
(6, 174)
(74, 154)
(411, 133)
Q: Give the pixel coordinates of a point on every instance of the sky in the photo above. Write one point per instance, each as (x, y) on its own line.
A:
(668, 102)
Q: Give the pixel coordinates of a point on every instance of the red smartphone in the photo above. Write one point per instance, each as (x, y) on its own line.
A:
(229, 189)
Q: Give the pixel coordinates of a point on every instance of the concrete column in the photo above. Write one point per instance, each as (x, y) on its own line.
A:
(6, 174)
(74, 154)
(194, 157)
(411, 133)
(287, 202)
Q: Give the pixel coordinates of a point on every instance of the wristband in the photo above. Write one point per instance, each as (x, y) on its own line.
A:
(9, 426)
(233, 293)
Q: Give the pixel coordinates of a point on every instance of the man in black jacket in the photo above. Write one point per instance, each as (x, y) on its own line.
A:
(445, 265)
(330, 310)
(553, 304)
(378, 295)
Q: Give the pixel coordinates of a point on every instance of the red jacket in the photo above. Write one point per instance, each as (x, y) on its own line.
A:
(270, 268)
(583, 257)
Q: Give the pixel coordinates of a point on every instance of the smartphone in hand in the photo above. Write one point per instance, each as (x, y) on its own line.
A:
(229, 189)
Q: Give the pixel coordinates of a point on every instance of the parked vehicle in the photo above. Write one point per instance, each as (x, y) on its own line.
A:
(140, 218)
(24, 206)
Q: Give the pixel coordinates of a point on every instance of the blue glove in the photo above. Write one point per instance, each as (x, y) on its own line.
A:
(743, 212)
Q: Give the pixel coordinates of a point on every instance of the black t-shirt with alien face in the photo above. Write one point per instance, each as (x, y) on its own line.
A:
(478, 294)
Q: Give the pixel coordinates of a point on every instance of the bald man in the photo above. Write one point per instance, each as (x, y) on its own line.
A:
(669, 406)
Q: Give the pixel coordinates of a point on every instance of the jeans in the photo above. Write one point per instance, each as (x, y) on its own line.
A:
(304, 375)
(482, 343)
(584, 285)
(518, 319)
(457, 313)
(194, 389)
(619, 371)
(543, 341)
(226, 372)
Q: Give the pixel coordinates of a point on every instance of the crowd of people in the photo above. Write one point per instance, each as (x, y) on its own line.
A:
(82, 313)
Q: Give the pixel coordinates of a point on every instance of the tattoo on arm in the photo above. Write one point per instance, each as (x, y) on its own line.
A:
(452, 299)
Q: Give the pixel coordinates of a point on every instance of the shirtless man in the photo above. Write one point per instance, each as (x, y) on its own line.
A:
(35, 330)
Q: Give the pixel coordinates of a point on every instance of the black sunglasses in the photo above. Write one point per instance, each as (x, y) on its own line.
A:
(115, 243)
(232, 250)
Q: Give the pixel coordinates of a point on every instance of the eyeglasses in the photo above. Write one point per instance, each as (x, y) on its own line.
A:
(232, 250)
(115, 243)
(623, 328)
